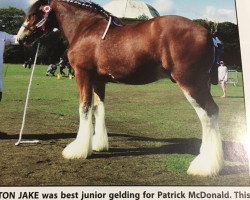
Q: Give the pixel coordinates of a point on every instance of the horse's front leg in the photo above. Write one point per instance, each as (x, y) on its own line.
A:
(100, 140)
(81, 147)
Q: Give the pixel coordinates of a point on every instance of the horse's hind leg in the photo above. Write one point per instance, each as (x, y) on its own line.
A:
(100, 139)
(81, 147)
(210, 160)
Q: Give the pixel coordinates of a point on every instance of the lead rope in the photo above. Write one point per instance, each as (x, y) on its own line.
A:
(107, 28)
(26, 105)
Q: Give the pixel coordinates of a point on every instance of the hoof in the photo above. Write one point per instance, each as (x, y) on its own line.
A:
(76, 150)
(100, 143)
(204, 166)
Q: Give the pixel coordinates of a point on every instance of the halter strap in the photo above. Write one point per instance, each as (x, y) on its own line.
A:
(43, 20)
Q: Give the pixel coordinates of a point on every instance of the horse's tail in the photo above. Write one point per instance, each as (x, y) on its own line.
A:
(214, 74)
(214, 70)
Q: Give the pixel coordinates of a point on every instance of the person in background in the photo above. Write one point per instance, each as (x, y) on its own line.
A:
(70, 70)
(223, 77)
(28, 63)
(51, 70)
(62, 66)
(5, 38)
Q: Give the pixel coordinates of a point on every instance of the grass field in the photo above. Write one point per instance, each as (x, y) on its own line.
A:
(154, 134)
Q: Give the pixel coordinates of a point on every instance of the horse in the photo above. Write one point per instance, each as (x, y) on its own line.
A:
(101, 50)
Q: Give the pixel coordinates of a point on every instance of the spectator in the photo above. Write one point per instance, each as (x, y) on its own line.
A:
(28, 63)
(70, 70)
(62, 65)
(51, 70)
(223, 76)
(5, 38)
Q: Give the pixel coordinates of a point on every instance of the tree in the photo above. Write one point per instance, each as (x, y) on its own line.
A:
(205, 23)
(229, 35)
(12, 18)
(53, 47)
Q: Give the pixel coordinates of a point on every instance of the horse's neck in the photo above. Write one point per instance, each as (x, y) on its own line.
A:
(73, 20)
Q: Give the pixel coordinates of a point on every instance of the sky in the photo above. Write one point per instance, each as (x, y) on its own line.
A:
(214, 10)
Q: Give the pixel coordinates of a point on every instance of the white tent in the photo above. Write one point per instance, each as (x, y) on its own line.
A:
(131, 9)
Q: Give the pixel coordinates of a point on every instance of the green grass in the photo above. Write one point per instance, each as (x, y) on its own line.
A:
(154, 134)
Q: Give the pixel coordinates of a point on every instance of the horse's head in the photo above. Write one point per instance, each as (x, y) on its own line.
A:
(38, 22)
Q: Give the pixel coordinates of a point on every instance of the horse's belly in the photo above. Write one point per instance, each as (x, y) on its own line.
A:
(140, 75)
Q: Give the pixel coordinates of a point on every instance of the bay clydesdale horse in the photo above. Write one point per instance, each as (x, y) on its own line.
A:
(130, 54)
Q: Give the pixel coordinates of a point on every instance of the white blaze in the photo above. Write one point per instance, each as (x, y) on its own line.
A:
(21, 33)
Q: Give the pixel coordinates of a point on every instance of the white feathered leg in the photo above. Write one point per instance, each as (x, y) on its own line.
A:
(100, 139)
(210, 160)
(81, 147)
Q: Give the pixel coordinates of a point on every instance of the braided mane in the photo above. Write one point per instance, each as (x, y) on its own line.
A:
(91, 6)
